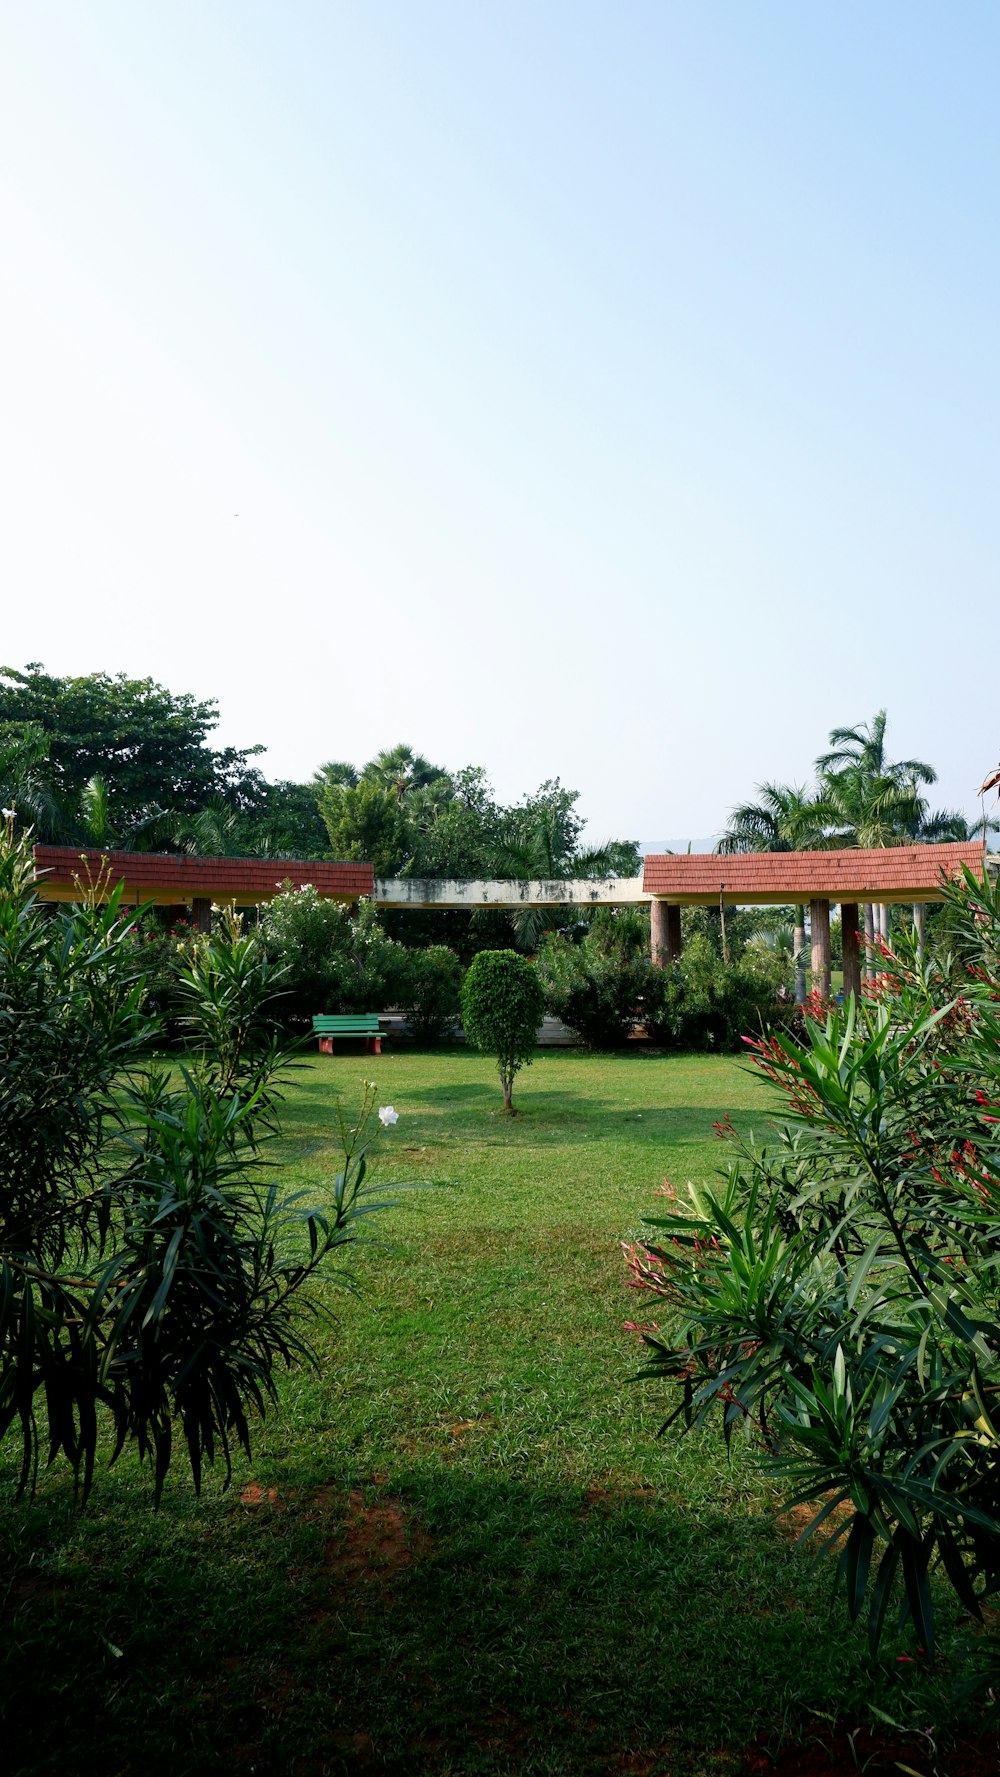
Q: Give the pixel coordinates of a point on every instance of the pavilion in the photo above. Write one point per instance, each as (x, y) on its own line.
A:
(851, 878)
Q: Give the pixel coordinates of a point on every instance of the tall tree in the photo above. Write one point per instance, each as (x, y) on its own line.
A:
(25, 778)
(148, 744)
(365, 821)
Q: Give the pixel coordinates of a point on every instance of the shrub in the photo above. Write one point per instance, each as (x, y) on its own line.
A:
(602, 985)
(703, 1002)
(334, 959)
(162, 953)
(502, 1007)
(430, 992)
(838, 1296)
(598, 994)
(144, 1267)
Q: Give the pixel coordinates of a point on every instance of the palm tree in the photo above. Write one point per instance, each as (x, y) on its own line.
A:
(402, 770)
(786, 818)
(865, 748)
(875, 802)
(338, 773)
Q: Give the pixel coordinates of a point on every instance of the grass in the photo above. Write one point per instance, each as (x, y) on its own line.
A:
(462, 1548)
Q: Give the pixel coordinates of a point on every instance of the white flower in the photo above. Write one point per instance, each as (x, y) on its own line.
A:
(8, 814)
(387, 1116)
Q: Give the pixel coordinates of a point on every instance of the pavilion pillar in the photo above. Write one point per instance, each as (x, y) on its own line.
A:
(920, 927)
(664, 933)
(658, 934)
(869, 941)
(799, 947)
(852, 950)
(201, 913)
(819, 925)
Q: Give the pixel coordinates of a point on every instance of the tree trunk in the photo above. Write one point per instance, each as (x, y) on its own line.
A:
(508, 1090)
(799, 946)
(920, 927)
(869, 942)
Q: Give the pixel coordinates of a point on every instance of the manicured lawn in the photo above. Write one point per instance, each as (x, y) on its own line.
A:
(462, 1547)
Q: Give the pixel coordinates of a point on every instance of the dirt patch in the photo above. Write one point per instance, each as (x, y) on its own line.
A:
(792, 1523)
(255, 1497)
(379, 1540)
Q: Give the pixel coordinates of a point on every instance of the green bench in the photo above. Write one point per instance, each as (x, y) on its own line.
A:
(349, 1024)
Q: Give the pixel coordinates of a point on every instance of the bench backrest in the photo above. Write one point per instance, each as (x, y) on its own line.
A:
(347, 1023)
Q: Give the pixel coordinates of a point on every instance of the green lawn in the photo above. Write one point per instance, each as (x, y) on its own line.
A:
(462, 1547)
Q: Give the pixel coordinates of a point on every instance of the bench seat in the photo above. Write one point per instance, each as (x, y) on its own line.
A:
(329, 1025)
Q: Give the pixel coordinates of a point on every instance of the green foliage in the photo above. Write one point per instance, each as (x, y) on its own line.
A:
(599, 993)
(430, 992)
(703, 1002)
(839, 1294)
(604, 985)
(334, 959)
(25, 786)
(145, 1267)
(502, 1007)
(145, 742)
(162, 953)
(365, 821)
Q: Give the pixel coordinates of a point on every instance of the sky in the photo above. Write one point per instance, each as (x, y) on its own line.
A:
(602, 391)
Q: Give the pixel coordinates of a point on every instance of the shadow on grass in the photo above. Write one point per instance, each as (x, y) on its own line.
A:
(567, 1116)
(422, 1621)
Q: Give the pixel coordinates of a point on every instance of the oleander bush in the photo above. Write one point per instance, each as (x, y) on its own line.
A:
(837, 1297)
(154, 1279)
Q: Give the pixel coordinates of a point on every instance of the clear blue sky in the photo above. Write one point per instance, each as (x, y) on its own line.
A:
(607, 391)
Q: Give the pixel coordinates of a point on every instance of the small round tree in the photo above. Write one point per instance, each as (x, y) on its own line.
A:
(502, 1006)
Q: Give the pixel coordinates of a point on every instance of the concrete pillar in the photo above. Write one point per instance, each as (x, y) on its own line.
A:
(920, 927)
(869, 941)
(658, 933)
(201, 913)
(799, 946)
(852, 949)
(664, 933)
(819, 925)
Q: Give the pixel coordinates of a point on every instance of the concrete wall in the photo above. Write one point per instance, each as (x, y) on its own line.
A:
(405, 891)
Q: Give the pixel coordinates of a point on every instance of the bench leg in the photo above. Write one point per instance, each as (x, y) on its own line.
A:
(374, 1044)
(326, 1045)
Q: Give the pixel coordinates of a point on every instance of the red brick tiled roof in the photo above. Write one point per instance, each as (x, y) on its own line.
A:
(905, 872)
(168, 877)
